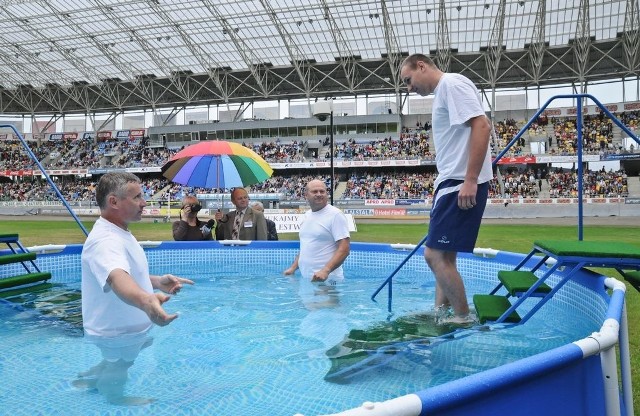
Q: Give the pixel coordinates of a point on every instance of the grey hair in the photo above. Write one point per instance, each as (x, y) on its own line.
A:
(113, 183)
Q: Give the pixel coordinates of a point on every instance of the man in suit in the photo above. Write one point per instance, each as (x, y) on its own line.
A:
(242, 224)
(272, 229)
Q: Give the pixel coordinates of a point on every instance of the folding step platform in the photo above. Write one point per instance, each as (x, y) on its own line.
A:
(569, 256)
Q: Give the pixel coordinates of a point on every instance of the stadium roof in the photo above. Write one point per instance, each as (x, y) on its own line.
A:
(85, 56)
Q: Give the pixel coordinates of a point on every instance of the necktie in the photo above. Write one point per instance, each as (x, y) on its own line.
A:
(235, 234)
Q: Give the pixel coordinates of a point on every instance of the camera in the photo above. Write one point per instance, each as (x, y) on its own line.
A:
(194, 207)
(322, 110)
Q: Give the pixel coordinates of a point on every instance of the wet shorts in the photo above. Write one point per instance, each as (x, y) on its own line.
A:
(452, 228)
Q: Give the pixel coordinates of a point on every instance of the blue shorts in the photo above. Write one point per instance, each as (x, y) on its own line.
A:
(452, 228)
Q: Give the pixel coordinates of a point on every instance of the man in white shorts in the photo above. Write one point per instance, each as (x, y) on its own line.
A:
(119, 305)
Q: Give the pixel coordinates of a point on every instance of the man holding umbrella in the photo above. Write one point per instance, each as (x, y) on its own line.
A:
(244, 223)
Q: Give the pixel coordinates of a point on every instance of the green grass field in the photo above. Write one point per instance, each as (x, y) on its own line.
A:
(515, 238)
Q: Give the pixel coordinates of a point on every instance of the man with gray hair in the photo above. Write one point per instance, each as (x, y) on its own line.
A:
(119, 305)
(272, 230)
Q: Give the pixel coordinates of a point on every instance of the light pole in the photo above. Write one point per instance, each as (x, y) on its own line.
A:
(321, 111)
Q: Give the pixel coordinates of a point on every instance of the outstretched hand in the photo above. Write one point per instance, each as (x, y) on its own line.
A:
(171, 284)
(153, 308)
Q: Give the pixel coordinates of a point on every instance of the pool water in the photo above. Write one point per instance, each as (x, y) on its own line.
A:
(246, 344)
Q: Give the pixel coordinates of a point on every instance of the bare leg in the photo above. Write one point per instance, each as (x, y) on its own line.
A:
(449, 286)
(111, 383)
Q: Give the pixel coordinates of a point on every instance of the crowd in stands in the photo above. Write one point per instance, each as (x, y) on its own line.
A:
(136, 153)
(13, 156)
(517, 184)
(279, 152)
(600, 183)
(505, 132)
(597, 136)
(410, 145)
(73, 189)
(631, 119)
(399, 185)
(512, 183)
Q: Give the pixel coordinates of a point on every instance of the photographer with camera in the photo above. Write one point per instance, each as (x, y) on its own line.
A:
(189, 227)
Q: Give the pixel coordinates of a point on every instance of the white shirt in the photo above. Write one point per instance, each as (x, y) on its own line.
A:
(319, 233)
(456, 101)
(104, 314)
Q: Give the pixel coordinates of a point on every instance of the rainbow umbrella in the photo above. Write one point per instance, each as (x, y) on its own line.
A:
(216, 164)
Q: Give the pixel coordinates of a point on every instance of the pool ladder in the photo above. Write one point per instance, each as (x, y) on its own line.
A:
(567, 256)
(17, 253)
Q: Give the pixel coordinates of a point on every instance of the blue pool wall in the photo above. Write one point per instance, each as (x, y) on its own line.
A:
(552, 382)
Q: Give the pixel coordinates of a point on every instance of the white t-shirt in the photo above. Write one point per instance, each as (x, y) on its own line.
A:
(319, 233)
(104, 314)
(456, 101)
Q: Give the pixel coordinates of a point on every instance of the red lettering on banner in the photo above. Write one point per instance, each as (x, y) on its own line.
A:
(136, 133)
(512, 160)
(380, 202)
(72, 136)
(358, 163)
(615, 200)
(632, 106)
(574, 110)
(22, 172)
(529, 201)
(563, 201)
(545, 201)
(552, 112)
(389, 211)
(373, 163)
(385, 163)
(401, 162)
(496, 201)
(598, 200)
(103, 135)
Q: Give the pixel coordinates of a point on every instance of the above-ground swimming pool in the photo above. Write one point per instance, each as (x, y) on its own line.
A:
(249, 342)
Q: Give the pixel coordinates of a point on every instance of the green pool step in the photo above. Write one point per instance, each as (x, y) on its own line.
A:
(23, 279)
(491, 307)
(8, 238)
(16, 258)
(519, 281)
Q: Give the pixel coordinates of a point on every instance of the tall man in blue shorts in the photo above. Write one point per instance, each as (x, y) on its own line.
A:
(461, 136)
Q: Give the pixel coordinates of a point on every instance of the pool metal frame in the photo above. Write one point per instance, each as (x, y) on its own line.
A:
(585, 371)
